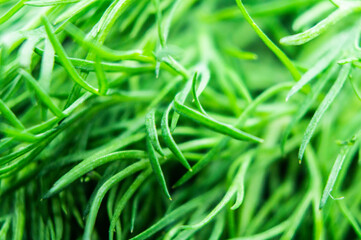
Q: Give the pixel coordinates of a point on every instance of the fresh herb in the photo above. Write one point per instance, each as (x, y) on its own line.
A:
(183, 119)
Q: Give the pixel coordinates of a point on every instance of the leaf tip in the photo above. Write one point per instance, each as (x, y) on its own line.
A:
(300, 156)
(321, 205)
(46, 195)
(283, 41)
(177, 184)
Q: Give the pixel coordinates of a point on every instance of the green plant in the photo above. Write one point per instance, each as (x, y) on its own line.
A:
(181, 119)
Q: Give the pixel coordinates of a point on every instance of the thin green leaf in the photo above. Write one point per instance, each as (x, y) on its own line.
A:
(205, 76)
(125, 198)
(240, 182)
(320, 66)
(195, 95)
(110, 171)
(74, 10)
(182, 97)
(234, 52)
(203, 161)
(354, 87)
(15, 85)
(101, 30)
(309, 17)
(50, 229)
(45, 3)
(171, 217)
(218, 228)
(159, 23)
(311, 98)
(17, 134)
(89, 66)
(19, 218)
(330, 97)
(277, 51)
(134, 213)
(42, 95)
(154, 162)
(168, 19)
(297, 216)
(102, 80)
(268, 234)
(214, 124)
(263, 214)
(12, 11)
(103, 52)
(10, 116)
(2, 63)
(240, 121)
(4, 228)
(47, 65)
(64, 59)
(26, 51)
(336, 168)
(237, 186)
(9, 157)
(239, 84)
(152, 131)
(90, 164)
(321, 27)
(128, 171)
(176, 66)
(23, 160)
(350, 217)
(168, 139)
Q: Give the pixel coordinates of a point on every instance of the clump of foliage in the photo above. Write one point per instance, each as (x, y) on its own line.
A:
(180, 119)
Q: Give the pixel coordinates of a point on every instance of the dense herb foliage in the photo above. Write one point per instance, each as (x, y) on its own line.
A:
(180, 119)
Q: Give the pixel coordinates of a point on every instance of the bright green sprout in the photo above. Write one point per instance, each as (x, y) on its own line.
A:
(109, 109)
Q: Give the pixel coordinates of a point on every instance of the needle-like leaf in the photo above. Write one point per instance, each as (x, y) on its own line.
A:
(152, 131)
(42, 95)
(154, 162)
(330, 97)
(213, 124)
(88, 165)
(168, 139)
(64, 59)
